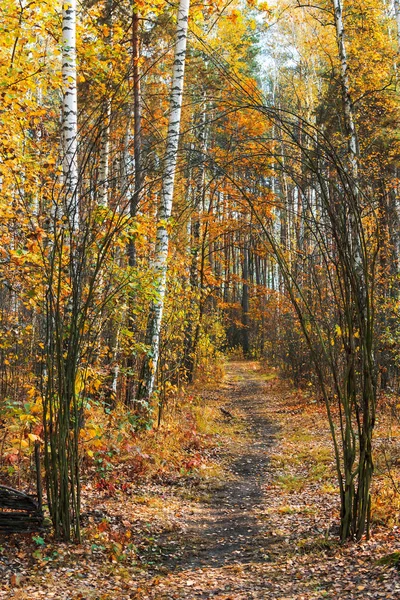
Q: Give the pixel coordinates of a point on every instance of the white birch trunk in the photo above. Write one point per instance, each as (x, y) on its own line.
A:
(104, 170)
(70, 113)
(126, 165)
(137, 132)
(397, 15)
(351, 132)
(162, 240)
(344, 80)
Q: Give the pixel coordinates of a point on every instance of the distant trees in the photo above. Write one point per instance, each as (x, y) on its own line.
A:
(329, 244)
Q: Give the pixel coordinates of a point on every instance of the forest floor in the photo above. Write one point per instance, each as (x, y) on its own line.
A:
(254, 515)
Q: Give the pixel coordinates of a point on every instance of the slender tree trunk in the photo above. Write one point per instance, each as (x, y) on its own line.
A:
(134, 200)
(104, 163)
(137, 130)
(60, 408)
(193, 318)
(146, 385)
(397, 15)
(345, 85)
(104, 156)
(245, 303)
(70, 114)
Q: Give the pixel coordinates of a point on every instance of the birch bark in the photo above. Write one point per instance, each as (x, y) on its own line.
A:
(345, 84)
(397, 15)
(351, 133)
(104, 157)
(136, 111)
(192, 329)
(137, 130)
(104, 169)
(70, 113)
(146, 385)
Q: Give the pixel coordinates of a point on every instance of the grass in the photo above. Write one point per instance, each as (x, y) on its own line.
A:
(321, 454)
(210, 421)
(288, 509)
(320, 471)
(267, 376)
(329, 488)
(301, 436)
(317, 545)
(390, 560)
(291, 483)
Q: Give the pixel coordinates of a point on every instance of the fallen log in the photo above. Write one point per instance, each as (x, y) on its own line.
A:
(19, 512)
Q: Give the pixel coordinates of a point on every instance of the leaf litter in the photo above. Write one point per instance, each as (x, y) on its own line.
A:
(263, 525)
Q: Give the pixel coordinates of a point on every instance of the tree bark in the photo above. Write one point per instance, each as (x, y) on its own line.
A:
(195, 311)
(137, 130)
(70, 114)
(104, 156)
(104, 170)
(345, 85)
(135, 197)
(245, 303)
(146, 385)
(397, 15)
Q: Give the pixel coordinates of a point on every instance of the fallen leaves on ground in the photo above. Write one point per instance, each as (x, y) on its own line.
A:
(260, 521)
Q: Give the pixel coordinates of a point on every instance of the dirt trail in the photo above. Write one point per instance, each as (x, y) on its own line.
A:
(223, 536)
(255, 539)
(225, 531)
(266, 531)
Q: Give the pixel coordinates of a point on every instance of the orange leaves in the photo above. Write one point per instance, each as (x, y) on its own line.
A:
(155, 7)
(234, 16)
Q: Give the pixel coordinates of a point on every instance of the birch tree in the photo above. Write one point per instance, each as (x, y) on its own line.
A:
(60, 408)
(358, 272)
(137, 128)
(70, 114)
(146, 385)
(192, 330)
(397, 15)
(104, 156)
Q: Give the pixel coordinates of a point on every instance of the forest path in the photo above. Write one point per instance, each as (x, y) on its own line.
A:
(269, 530)
(226, 531)
(261, 525)
(224, 537)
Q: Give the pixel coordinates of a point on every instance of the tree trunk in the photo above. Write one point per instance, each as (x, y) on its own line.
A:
(345, 85)
(196, 300)
(70, 114)
(104, 156)
(134, 200)
(104, 169)
(60, 418)
(397, 15)
(245, 304)
(137, 130)
(146, 385)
